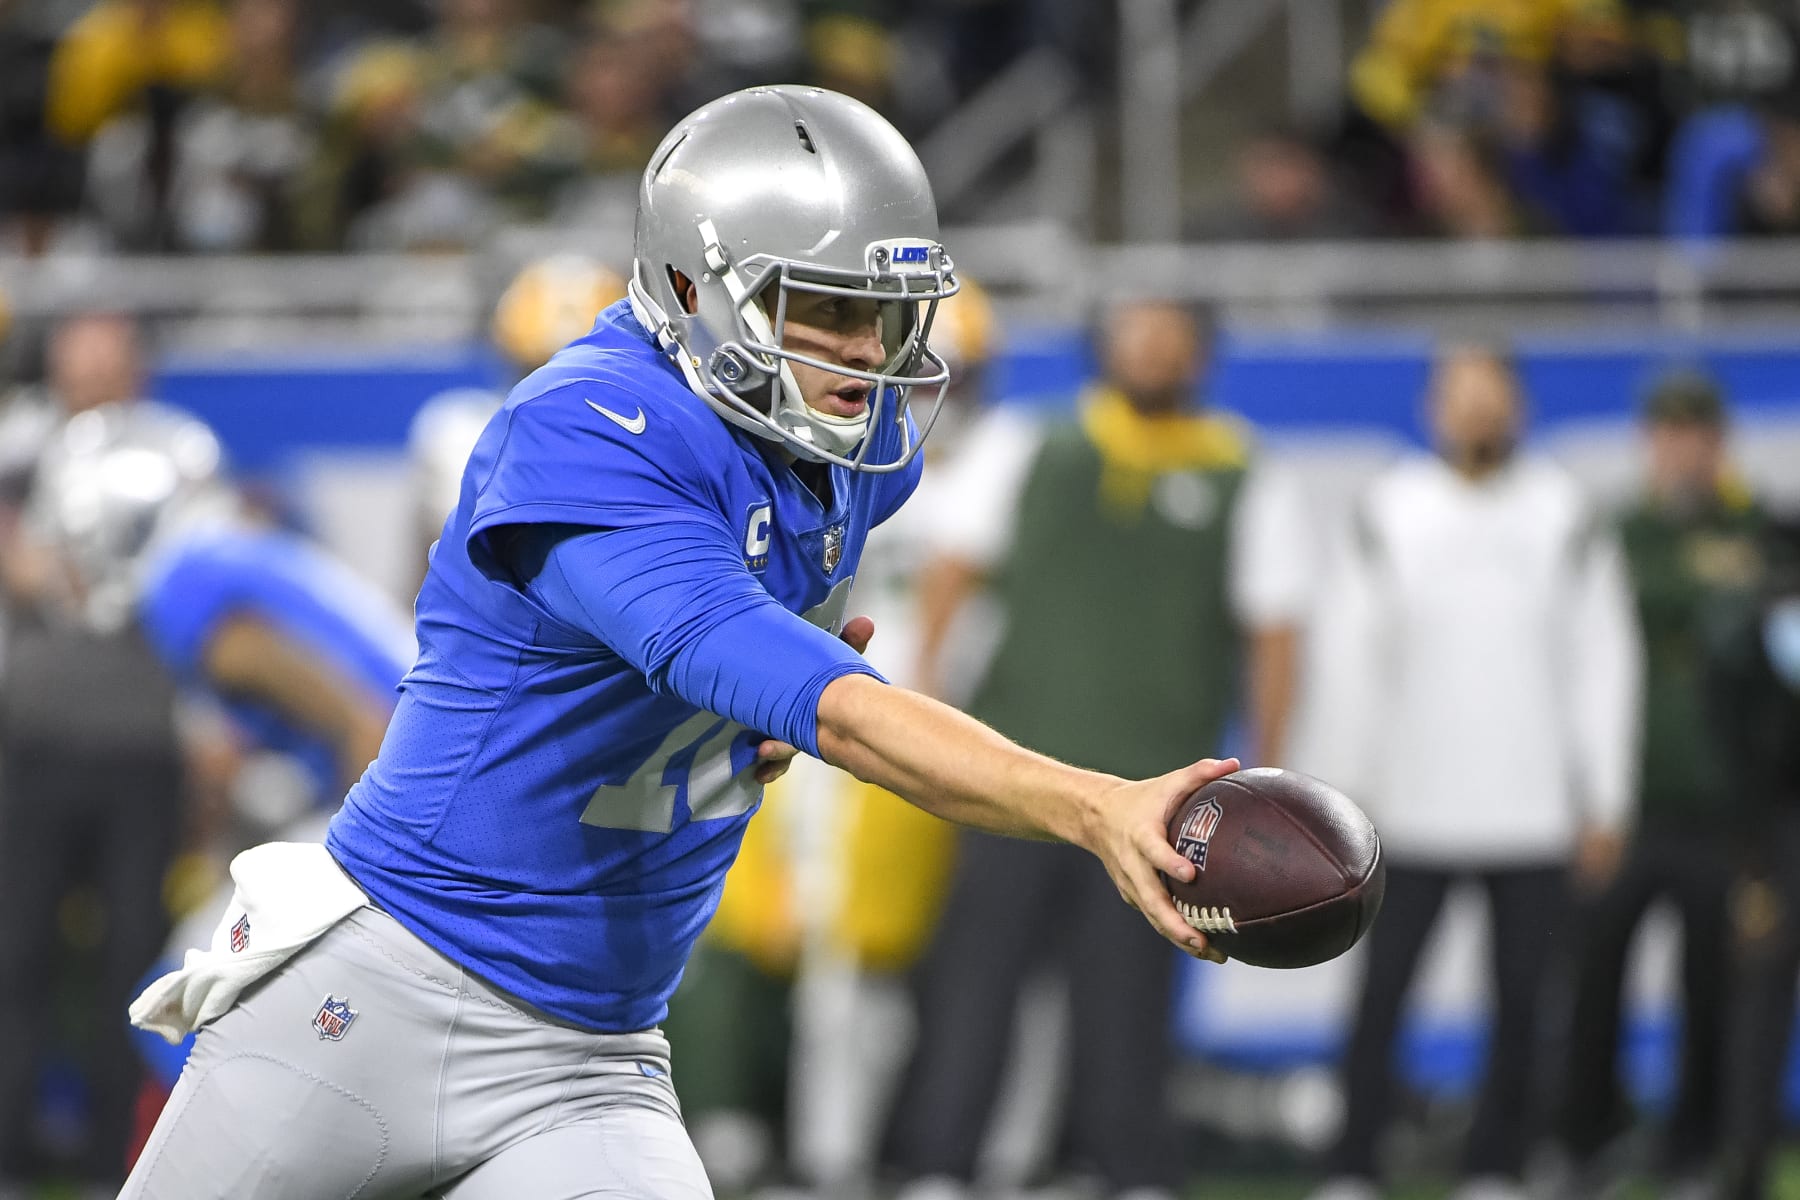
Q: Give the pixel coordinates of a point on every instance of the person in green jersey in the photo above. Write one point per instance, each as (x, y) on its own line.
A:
(1150, 572)
(1692, 543)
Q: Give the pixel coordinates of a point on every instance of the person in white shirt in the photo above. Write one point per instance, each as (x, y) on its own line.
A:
(1480, 645)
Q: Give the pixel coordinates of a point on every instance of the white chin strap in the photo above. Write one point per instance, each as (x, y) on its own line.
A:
(836, 435)
(839, 435)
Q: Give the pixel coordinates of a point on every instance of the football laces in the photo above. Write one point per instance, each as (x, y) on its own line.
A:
(1206, 920)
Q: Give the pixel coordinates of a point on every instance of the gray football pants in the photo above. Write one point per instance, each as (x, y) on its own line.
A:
(441, 1087)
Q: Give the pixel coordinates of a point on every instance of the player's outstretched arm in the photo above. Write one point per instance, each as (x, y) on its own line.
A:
(674, 600)
(953, 766)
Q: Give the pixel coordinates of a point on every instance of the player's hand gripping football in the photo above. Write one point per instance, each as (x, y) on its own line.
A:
(1133, 842)
(772, 757)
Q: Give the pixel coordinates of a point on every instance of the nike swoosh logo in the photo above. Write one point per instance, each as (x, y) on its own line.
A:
(634, 425)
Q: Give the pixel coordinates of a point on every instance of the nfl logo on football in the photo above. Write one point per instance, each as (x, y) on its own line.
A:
(1197, 832)
(333, 1019)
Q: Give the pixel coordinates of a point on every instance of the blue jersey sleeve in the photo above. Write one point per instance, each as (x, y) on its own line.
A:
(675, 601)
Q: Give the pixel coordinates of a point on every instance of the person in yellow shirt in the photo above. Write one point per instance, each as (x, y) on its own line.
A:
(120, 48)
(888, 863)
(1419, 45)
(789, 1021)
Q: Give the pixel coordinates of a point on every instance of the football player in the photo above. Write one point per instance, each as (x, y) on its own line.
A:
(629, 626)
(301, 655)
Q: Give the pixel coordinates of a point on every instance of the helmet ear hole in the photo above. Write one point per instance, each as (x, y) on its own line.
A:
(684, 289)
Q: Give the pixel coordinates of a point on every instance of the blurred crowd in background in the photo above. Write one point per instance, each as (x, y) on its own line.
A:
(270, 126)
(1580, 703)
(205, 126)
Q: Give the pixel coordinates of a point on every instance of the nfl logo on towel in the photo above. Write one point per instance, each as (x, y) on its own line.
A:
(334, 1017)
(240, 934)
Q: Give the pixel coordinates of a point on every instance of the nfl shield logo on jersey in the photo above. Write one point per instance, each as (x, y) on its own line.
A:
(1197, 831)
(240, 934)
(834, 547)
(334, 1017)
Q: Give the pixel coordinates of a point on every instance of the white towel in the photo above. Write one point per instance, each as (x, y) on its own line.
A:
(288, 893)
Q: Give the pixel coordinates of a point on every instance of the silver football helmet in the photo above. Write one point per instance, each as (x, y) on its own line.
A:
(776, 190)
(112, 488)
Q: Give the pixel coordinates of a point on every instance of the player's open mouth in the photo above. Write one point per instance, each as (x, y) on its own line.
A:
(848, 401)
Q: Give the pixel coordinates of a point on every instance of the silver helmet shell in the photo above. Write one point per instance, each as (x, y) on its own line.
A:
(113, 487)
(774, 190)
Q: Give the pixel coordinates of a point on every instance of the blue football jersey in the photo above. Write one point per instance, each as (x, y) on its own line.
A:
(208, 576)
(543, 811)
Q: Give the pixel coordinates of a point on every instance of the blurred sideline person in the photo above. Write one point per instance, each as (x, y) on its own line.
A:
(1692, 544)
(634, 620)
(1755, 683)
(301, 656)
(91, 784)
(1137, 555)
(882, 865)
(1481, 636)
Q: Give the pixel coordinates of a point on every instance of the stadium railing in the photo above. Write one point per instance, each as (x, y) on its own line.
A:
(1039, 270)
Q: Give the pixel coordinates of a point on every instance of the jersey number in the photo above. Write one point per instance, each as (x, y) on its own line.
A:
(696, 752)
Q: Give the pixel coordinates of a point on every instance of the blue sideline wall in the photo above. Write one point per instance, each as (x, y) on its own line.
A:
(268, 408)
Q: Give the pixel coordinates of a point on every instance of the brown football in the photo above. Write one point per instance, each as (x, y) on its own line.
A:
(1289, 870)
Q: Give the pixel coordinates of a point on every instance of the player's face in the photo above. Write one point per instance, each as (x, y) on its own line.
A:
(94, 361)
(834, 329)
